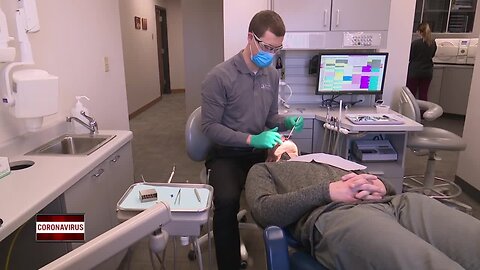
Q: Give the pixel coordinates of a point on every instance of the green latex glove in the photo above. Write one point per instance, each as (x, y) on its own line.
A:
(267, 139)
(290, 123)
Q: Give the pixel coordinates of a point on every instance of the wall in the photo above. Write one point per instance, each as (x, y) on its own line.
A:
(140, 50)
(237, 16)
(75, 37)
(398, 47)
(175, 44)
(468, 168)
(140, 53)
(203, 44)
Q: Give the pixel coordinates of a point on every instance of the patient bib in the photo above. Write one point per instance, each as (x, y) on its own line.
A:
(331, 160)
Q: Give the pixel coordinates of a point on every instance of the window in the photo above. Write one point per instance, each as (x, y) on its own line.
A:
(451, 16)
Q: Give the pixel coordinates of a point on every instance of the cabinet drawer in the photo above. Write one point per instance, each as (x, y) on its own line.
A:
(384, 169)
(304, 134)
(307, 123)
(304, 145)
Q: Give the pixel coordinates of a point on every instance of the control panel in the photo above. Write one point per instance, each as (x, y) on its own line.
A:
(361, 39)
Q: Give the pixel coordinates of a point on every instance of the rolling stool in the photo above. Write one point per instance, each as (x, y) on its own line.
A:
(428, 142)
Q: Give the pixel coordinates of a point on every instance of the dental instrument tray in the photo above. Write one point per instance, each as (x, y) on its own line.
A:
(180, 197)
(374, 119)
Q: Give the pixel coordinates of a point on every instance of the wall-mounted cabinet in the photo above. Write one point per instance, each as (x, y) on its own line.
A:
(333, 15)
(316, 13)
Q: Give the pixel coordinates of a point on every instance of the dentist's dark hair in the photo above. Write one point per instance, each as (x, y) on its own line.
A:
(267, 20)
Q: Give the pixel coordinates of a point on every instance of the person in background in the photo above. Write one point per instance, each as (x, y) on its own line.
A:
(420, 67)
(239, 101)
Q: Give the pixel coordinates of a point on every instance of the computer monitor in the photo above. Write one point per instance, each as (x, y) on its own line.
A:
(351, 73)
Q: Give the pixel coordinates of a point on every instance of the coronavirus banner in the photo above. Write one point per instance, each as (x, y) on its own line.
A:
(60, 228)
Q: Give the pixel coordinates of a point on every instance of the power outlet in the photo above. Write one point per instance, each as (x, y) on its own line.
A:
(106, 64)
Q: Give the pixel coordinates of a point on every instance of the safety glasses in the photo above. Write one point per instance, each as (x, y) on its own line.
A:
(267, 47)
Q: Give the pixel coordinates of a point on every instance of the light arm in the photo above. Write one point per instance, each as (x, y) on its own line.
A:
(113, 241)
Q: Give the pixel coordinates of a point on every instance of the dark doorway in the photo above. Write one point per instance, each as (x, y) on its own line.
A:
(162, 46)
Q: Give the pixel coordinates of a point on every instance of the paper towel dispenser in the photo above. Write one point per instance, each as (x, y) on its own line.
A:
(35, 93)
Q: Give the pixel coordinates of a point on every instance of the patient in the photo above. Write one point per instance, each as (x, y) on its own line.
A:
(355, 221)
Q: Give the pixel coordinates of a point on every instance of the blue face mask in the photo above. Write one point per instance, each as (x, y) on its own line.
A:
(262, 59)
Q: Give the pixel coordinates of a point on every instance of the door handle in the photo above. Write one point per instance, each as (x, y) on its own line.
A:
(99, 172)
(338, 17)
(115, 159)
(325, 14)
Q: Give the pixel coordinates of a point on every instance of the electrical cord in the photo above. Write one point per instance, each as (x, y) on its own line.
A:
(329, 102)
(282, 100)
(10, 249)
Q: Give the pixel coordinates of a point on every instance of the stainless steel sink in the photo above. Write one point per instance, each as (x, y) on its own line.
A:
(84, 144)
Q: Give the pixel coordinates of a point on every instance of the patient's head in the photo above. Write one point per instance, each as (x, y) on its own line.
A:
(288, 147)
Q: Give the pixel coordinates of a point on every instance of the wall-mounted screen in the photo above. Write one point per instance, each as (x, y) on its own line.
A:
(351, 73)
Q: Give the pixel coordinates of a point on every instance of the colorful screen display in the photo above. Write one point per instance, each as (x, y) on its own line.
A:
(362, 73)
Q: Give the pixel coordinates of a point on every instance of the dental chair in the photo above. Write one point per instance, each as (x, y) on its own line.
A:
(428, 142)
(277, 243)
(198, 145)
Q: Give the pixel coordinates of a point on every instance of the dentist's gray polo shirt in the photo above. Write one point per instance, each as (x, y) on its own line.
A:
(236, 102)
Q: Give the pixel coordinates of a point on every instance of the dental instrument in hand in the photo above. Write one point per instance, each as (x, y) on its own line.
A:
(293, 128)
(171, 174)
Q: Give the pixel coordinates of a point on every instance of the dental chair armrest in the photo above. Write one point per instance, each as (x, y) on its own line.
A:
(276, 249)
(432, 110)
(278, 257)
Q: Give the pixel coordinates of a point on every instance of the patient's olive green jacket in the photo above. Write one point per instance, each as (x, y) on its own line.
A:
(294, 194)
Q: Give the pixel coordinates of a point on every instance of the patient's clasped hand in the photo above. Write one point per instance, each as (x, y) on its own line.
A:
(353, 187)
(356, 221)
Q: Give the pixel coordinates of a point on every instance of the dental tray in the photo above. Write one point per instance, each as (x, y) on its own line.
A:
(188, 201)
(374, 119)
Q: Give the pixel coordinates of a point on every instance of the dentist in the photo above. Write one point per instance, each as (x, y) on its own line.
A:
(240, 116)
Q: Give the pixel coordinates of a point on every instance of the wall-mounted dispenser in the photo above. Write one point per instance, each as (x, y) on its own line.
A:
(33, 93)
(36, 95)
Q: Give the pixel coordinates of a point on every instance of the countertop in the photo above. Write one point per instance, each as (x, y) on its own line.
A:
(23, 193)
(319, 113)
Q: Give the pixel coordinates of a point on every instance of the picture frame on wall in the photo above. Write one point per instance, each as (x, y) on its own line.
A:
(144, 23)
(137, 22)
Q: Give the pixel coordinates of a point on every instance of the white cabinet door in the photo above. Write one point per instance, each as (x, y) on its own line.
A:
(364, 15)
(435, 85)
(456, 84)
(88, 196)
(97, 194)
(304, 15)
(120, 168)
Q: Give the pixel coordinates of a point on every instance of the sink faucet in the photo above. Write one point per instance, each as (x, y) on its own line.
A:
(92, 124)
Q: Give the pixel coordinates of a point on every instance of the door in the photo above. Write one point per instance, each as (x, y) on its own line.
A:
(162, 47)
